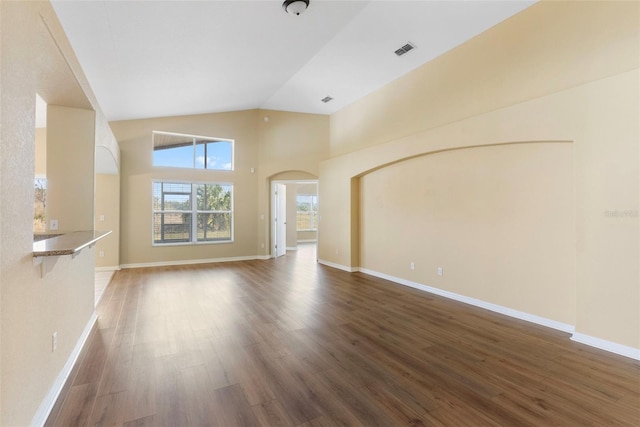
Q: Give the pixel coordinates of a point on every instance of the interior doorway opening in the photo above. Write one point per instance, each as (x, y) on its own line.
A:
(294, 215)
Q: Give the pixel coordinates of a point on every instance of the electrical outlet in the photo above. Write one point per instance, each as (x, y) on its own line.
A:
(262, 245)
(101, 253)
(53, 224)
(439, 271)
(412, 265)
(101, 217)
(54, 341)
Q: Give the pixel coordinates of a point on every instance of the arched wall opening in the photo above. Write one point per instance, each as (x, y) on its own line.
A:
(495, 223)
(289, 187)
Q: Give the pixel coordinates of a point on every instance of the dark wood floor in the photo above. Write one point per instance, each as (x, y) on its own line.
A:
(288, 342)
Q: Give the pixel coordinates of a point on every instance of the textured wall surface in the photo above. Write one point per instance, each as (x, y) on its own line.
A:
(36, 58)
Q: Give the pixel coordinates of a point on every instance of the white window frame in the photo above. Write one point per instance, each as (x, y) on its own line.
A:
(313, 223)
(194, 139)
(193, 212)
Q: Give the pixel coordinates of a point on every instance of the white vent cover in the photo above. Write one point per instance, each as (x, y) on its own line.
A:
(404, 49)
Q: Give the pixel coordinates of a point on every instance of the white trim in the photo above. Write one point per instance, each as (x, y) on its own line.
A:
(194, 137)
(623, 350)
(195, 261)
(193, 212)
(308, 241)
(54, 392)
(292, 248)
(338, 266)
(110, 268)
(476, 302)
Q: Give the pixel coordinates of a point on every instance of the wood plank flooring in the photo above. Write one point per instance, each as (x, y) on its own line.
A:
(288, 342)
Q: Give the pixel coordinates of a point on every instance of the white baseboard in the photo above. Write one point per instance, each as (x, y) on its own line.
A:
(54, 392)
(476, 302)
(609, 346)
(111, 268)
(612, 347)
(195, 261)
(292, 248)
(308, 241)
(338, 266)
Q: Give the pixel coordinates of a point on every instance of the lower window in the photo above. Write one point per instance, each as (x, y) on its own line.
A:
(307, 215)
(192, 212)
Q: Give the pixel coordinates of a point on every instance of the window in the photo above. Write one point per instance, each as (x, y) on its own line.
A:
(40, 205)
(192, 212)
(191, 151)
(307, 218)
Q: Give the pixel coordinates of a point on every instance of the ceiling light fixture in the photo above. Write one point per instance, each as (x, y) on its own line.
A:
(295, 7)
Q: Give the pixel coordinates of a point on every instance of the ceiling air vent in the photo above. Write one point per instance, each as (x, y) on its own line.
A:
(326, 99)
(404, 49)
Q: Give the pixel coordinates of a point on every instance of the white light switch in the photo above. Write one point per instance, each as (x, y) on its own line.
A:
(101, 217)
(439, 271)
(53, 224)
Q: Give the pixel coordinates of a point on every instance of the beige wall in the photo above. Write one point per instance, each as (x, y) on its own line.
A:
(292, 141)
(41, 152)
(137, 174)
(499, 220)
(555, 72)
(291, 148)
(292, 235)
(307, 189)
(35, 57)
(70, 167)
(287, 142)
(108, 207)
(548, 47)
(307, 236)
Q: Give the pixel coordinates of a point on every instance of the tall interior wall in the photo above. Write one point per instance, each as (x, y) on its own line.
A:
(564, 73)
(36, 58)
(285, 142)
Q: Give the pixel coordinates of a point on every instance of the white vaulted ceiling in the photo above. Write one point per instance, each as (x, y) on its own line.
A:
(164, 58)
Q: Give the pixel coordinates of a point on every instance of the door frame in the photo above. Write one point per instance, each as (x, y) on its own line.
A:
(272, 227)
(279, 202)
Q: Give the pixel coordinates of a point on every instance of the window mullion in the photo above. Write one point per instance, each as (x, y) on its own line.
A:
(172, 150)
(194, 211)
(172, 212)
(162, 215)
(313, 212)
(195, 152)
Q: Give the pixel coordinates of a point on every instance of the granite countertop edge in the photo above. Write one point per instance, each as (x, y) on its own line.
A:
(67, 243)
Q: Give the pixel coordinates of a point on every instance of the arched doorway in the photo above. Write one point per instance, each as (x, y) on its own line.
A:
(294, 212)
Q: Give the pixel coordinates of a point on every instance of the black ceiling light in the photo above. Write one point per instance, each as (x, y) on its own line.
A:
(295, 7)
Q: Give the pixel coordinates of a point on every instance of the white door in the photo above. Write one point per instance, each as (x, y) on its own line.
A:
(281, 220)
